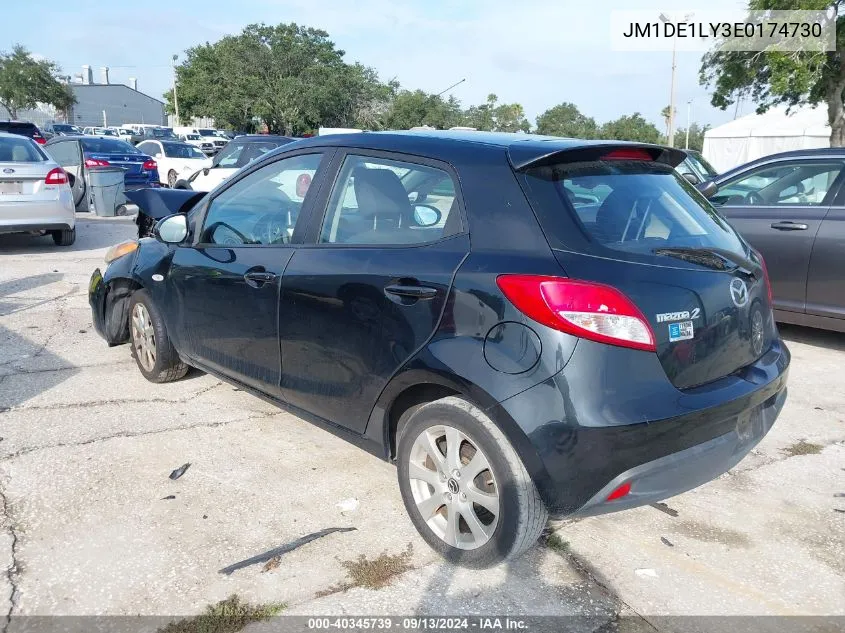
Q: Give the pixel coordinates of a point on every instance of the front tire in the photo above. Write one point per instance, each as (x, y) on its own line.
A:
(64, 237)
(465, 487)
(152, 350)
(171, 179)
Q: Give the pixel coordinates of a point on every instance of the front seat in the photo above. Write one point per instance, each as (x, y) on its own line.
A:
(383, 205)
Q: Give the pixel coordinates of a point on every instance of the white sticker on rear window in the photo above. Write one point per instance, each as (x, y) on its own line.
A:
(680, 331)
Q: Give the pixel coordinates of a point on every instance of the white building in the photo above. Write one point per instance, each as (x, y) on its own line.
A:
(102, 103)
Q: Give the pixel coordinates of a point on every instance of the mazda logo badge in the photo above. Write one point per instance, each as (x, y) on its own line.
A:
(739, 293)
(8, 170)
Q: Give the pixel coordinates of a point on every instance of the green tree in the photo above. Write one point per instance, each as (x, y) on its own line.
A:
(415, 108)
(291, 77)
(770, 78)
(495, 117)
(630, 128)
(25, 82)
(566, 120)
(696, 136)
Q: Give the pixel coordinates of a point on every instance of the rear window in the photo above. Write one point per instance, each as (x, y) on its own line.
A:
(628, 205)
(14, 127)
(181, 150)
(19, 150)
(107, 146)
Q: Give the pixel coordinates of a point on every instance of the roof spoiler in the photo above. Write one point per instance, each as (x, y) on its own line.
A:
(522, 156)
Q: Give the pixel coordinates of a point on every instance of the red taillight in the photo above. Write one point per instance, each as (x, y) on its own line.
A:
(621, 491)
(581, 308)
(150, 165)
(40, 140)
(628, 154)
(56, 176)
(96, 162)
(766, 278)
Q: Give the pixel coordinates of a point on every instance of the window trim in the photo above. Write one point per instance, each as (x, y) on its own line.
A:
(836, 193)
(304, 214)
(312, 238)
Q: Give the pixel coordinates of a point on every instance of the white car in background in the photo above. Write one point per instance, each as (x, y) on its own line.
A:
(176, 160)
(240, 151)
(124, 133)
(99, 131)
(206, 147)
(35, 196)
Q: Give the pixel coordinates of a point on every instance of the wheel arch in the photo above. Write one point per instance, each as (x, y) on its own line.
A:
(416, 385)
(119, 291)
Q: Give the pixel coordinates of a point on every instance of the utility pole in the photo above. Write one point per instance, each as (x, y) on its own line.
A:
(671, 134)
(175, 100)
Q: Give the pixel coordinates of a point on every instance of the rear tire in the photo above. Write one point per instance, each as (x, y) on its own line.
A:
(449, 491)
(64, 237)
(152, 350)
(171, 179)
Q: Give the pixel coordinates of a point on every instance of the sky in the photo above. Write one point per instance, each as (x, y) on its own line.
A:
(537, 53)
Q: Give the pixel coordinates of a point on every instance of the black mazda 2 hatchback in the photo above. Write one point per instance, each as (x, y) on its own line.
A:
(527, 326)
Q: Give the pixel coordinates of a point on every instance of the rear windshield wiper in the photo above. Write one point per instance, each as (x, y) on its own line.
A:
(717, 259)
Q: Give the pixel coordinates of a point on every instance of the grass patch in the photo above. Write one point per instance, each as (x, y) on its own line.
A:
(556, 543)
(372, 574)
(227, 616)
(803, 448)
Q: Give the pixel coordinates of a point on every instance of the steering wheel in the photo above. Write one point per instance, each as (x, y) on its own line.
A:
(754, 198)
(226, 240)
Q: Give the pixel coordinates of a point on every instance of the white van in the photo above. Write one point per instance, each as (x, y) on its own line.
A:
(206, 134)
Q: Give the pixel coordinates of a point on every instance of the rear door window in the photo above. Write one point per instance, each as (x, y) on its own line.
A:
(381, 201)
(65, 153)
(635, 206)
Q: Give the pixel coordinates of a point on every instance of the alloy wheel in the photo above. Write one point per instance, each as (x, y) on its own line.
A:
(454, 487)
(143, 337)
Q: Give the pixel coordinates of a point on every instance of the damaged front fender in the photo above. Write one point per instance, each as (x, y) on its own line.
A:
(109, 299)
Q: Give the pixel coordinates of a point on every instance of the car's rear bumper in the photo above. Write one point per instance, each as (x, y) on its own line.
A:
(37, 215)
(611, 418)
(684, 470)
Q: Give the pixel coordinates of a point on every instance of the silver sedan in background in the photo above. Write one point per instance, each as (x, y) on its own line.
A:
(35, 196)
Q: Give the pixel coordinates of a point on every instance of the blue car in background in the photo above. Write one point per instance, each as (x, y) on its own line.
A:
(79, 154)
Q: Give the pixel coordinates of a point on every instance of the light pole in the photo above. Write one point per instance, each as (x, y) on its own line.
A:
(670, 133)
(175, 100)
(689, 121)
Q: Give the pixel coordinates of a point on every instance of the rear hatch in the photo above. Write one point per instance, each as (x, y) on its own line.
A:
(622, 216)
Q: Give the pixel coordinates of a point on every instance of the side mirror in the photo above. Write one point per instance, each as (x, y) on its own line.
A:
(205, 171)
(425, 215)
(708, 188)
(692, 178)
(172, 230)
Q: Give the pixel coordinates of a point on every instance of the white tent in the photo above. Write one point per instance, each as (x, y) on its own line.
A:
(757, 135)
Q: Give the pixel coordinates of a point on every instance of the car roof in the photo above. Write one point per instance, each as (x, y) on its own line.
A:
(522, 149)
(11, 135)
(819, 152)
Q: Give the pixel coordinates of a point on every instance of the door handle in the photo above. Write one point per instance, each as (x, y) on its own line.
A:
(409, 291)
(257, 278)
(788, 225)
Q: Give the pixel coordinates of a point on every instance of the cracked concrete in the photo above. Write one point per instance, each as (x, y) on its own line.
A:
(89, 525)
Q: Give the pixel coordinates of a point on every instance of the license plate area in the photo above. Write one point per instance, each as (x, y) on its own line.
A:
(11, 187)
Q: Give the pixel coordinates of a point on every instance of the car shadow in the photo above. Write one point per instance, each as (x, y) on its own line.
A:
(812, 336)
(10, 287)
(521, 590)
(19, 385)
